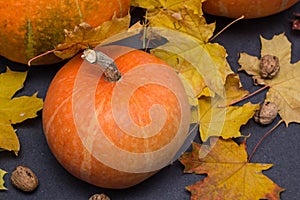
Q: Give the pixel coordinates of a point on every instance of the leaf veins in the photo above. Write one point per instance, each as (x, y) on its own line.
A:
(229, 175)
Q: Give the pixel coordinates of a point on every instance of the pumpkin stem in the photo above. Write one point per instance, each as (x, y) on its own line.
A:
(110, 69)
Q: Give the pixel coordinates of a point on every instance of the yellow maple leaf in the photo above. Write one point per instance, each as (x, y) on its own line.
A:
(14, 110)
(84, 36)
(224, 121)
(180, 15)
(205, 63)
(229, 174)
(284, 87)
(2, 173)
(156, 6)
(188, 48)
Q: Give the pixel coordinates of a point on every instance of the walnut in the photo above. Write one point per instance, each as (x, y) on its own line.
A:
(267, 113)
(269, 66)
(99, 197)
(24, 179)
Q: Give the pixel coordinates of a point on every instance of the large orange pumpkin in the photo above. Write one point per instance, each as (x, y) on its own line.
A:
(116, 134)
(248, 8)
(31, 27)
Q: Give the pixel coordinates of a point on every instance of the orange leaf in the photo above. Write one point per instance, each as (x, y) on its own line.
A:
(84, 35)
(229, 174)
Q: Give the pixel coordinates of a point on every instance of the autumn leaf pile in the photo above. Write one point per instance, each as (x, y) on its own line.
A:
(211, 86)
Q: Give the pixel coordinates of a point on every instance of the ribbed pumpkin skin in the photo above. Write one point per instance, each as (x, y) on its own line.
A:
(248, 8)
(62, 131)
(31, 27)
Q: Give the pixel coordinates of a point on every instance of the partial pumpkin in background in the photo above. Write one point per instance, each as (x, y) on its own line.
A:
(31, 27)
(248, 8)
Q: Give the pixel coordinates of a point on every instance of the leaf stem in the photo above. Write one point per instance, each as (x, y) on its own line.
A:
(145, 31)
(38, 56)
(247, 96)
(214, 37)
(262, 139)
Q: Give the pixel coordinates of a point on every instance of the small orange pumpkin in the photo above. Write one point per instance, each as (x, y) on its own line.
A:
(248, 8)
(31, 27)
(116, 134)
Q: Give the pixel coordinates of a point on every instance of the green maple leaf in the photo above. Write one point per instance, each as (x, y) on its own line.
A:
(14, 110)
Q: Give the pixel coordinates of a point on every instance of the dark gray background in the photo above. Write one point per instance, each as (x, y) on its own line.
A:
(281, 148)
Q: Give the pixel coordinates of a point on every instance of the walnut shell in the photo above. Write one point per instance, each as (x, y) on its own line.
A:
(269, 66)
(24, 179)
(267, 113)
(99, 197)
